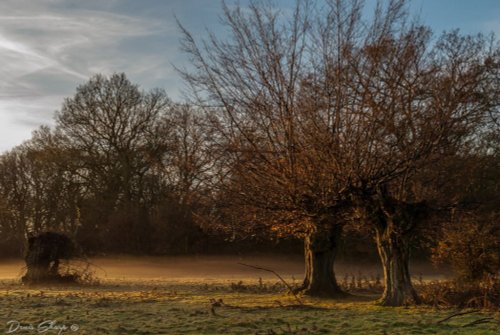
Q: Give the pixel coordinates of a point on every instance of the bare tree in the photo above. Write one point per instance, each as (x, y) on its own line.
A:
(38, 190)
(121, 163)
(426, 103)
(191, 161)
(186, 175)
(15, 202)
(116, 134)
(323, 109)
(280, 172)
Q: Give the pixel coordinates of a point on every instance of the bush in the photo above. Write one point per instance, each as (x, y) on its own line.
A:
(471, 246)
(480, 294)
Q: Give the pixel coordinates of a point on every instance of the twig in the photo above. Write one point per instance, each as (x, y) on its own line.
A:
(477, 322)
(290, 289)
(86, 260)
(456, 314)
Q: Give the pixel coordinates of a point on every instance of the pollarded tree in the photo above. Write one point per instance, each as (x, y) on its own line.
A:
(397, 102)
(426, 102)
(323, 108)
(253, 80)
(289, 118)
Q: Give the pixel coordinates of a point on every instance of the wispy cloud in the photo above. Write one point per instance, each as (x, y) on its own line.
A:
(48, 47)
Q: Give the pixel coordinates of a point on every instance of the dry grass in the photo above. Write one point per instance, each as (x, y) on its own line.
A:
(194, 306)
(484, 294)
(238, 301)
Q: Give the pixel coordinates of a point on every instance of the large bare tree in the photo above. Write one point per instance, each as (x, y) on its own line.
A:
(427, 102)
(282, 166)
(325, 110)
(117, 136)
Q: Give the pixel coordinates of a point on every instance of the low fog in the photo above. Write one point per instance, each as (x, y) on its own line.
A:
(215, 267)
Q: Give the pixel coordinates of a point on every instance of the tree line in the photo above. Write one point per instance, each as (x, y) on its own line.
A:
(312, 124)
(118, 162)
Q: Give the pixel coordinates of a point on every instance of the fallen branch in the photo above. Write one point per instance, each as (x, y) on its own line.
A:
(290, 288)
(477, 322)
(456, 314)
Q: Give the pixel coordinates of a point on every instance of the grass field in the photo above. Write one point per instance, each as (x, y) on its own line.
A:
(196, 305)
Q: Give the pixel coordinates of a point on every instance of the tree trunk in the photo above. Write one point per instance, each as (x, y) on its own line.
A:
(394, 251)
(320, 248)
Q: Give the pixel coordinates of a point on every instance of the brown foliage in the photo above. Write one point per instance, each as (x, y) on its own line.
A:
(471, 246)
(483, 294)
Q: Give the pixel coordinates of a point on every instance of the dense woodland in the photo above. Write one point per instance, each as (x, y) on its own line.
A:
(315, 128)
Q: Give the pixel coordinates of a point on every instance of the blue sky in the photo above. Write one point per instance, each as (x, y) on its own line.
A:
(48, 47)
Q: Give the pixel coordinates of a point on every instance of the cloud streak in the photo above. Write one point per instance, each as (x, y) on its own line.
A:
(46, 50)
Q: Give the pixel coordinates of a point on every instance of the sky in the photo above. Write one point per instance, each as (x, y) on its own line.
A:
(49, 47)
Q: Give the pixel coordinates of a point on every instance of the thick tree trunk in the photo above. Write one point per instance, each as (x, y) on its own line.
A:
(320, 248)
(394, 251)
(42, 258)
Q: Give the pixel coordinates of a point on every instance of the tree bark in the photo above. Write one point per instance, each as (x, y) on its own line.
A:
(394, 251)
(320, 248)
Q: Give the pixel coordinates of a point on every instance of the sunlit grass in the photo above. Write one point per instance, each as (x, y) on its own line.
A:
(194, 306)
